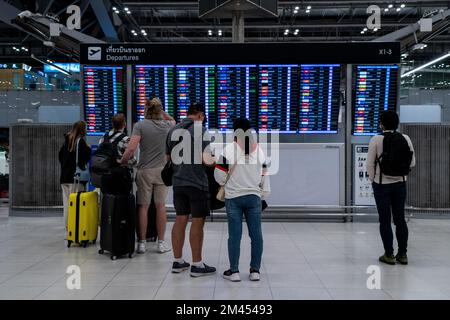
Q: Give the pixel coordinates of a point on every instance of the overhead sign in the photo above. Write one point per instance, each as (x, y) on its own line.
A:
(70, 67)
(15, 66)
(235, 53)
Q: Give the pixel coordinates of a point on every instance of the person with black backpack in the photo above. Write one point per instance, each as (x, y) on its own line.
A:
(390, 157)
(106, 171)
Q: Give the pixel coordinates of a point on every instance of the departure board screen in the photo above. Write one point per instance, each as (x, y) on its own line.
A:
(319, 98)
(278, 98)
(196, 84)
(236, 94)
(104, 96)
(287, 98)
(156, 81)
(375, 90)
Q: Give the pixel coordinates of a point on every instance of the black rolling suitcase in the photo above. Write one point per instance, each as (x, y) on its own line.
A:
(118, 224)
(152, 234)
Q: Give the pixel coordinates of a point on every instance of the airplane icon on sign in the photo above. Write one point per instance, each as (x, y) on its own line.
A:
(95, 53)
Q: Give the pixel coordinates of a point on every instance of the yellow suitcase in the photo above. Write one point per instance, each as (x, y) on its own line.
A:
(82, 221)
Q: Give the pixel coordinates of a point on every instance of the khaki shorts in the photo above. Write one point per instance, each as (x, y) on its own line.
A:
(149, 183)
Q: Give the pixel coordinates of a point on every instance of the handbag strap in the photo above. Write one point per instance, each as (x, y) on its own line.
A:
(76, 152)
(233, 167)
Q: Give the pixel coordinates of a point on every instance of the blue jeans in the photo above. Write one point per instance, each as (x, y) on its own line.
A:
(250, 206)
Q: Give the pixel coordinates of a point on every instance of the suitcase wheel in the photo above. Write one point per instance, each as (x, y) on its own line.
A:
(130, 255)
(69, 243)
(94, 241)
(101, 251)
(113, 257)
(85, 244)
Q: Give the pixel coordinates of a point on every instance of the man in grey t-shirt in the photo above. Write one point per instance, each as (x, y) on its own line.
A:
(189, 154)
(150, 134)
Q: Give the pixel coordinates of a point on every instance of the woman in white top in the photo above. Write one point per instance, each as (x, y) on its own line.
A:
(243, 163)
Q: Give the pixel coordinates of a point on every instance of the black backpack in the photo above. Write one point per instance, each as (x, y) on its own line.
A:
(396, 158)
(104, 159)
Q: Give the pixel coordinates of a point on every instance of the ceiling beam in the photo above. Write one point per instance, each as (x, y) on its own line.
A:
(104, 20)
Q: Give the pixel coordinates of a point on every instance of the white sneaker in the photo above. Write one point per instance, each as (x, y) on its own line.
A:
(142, 247)
(163, 247)
(254, 275)
(232, 276)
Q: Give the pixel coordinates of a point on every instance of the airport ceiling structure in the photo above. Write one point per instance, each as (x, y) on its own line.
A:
(178, 21)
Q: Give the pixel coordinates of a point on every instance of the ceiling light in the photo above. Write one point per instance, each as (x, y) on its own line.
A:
(362, 32)
(375, 30)
(426, 65)
(398, 9)
(402, 6)
(143, 31)
(390, 6)
(386, 10)
(308, 7)
(308, 11)
(365, 29)
(296, 8)
(220, 32)
(126, 9)
(295, 11)
(210, 33)
(114, 8)
(297, 30)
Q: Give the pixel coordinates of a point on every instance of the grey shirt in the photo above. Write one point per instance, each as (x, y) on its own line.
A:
(153, 135)
(188, 171)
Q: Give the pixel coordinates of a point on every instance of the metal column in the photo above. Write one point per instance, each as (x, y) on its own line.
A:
(348, 140)
(238, 26)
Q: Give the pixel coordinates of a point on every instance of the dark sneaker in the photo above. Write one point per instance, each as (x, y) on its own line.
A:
(178, 267)
(202, 271)
(402, 259)
(254, 275)
(388, 259)
(232, 276)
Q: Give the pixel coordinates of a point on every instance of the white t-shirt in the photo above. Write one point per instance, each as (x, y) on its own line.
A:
(247, 175)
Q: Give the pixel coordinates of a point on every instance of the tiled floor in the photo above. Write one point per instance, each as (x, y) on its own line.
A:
(301, 261)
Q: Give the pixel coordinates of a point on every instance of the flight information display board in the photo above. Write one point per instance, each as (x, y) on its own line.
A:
(196, 84)
(154, 82)
(104, 96)
(375, 90)
(319, 98)
(236, 94)
(287, 98)
(278, 98)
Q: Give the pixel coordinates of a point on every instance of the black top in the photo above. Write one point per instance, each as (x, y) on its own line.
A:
(67, 159)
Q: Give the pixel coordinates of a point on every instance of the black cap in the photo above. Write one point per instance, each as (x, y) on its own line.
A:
(195, 108)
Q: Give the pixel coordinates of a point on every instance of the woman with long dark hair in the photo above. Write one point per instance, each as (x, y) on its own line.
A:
(242, 170)
(74, 143)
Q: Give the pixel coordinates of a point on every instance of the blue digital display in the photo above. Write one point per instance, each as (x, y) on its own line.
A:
(375, 91)
(286, 98)
(104, 96)
(155, 81)
(70, 67)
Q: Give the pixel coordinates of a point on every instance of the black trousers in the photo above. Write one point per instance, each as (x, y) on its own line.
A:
(390, 200)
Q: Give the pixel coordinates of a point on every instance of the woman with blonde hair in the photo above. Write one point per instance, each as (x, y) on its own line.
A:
(150, 135)
(74, 144)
